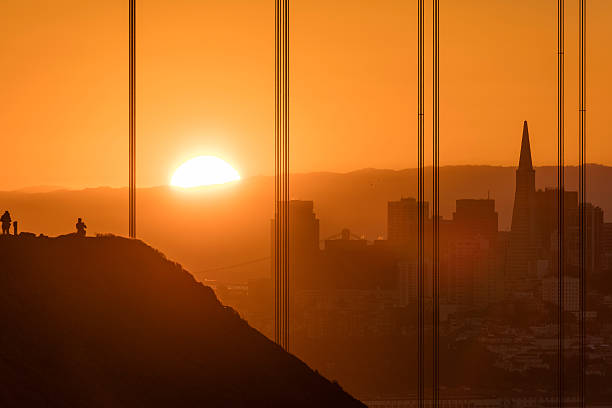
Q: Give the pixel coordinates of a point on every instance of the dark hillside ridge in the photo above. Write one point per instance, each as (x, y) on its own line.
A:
(110, 322)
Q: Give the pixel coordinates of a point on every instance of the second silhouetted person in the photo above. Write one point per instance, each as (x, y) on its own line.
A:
(81, 227)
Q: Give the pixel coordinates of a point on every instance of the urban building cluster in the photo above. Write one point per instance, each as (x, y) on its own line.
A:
(498, 289)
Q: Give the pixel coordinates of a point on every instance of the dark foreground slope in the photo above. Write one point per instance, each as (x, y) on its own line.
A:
(110, 322)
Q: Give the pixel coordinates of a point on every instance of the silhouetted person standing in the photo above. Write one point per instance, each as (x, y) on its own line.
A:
(15, 228)
(6, 223)
(81, 227)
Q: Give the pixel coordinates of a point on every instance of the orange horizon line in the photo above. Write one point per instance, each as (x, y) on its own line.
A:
(54, 188)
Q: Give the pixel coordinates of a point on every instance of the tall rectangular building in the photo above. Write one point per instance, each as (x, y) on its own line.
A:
(474, 218)
(605, 247)
(571, 292)
(470, 276)
(402, 219)
(594, 245)
(303, 239)
(547, 218)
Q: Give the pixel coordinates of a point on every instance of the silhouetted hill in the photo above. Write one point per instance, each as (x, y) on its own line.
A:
(224, 225)
(110, 322)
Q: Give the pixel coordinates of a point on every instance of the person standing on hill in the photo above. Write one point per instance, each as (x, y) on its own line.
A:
(6, 223)
(81, 227)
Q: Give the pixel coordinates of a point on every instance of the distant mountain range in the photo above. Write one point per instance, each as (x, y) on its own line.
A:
(212, 227)
(110, 322)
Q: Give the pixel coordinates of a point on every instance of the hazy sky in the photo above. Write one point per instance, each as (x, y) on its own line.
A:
(205, 85)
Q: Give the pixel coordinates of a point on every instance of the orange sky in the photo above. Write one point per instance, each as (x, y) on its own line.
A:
(205, 85)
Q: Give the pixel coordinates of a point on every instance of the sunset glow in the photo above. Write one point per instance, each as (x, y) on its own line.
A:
(203, 171)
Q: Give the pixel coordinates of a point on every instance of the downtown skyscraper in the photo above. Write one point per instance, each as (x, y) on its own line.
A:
(523, 235)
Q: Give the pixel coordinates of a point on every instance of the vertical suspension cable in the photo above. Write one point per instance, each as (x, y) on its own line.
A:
(132, 122)
(436, 204)
(421, 207)
(281, 176)
(277, 128)
(583, 227)
(286, 161)
(561, 203)
(284, 186)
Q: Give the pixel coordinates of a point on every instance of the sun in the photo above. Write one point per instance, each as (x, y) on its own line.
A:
(203, 171)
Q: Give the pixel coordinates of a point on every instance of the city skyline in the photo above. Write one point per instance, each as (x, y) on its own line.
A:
(346, 288)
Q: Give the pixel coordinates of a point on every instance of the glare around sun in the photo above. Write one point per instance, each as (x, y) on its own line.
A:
(203, 171)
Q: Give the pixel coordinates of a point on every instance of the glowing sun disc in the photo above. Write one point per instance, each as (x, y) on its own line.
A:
(203, 171)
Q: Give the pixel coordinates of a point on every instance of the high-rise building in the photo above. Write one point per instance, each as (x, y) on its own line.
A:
(594, 227)
(470, 276)
(470, 273)
(606, 246)
(475, 217)
(402, 233)
(402, 219)
(523, 232)
(303, 227)
(303, 239)
(547, 218)
(571, 292)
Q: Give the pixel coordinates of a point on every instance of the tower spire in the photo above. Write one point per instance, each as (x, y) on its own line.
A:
(525, 160)
(523, 237)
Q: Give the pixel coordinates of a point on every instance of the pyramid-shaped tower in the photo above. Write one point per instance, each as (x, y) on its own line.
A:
(523, 232)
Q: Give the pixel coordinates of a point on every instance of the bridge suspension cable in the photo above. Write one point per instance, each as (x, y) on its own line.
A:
(281, 172)
(421, 208)
(132, 122)
(436, 206)
(561, 201)
(582, 226)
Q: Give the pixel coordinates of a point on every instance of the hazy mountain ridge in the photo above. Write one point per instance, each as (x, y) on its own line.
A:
(224, 225)
(111, 322)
